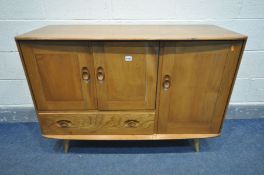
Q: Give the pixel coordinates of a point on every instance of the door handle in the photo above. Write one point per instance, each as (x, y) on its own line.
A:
(166, 82)
(86, 74)
(100, 74)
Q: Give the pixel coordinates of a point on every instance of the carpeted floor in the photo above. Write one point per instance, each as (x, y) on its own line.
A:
(240, 150)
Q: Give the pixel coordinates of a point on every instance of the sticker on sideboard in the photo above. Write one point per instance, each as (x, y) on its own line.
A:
(128, 58)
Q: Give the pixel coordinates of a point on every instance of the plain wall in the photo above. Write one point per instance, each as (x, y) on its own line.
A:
(243, 16)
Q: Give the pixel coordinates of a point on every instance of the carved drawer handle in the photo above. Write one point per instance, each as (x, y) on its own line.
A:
(63, 123)
(86, 74)
(131, 123)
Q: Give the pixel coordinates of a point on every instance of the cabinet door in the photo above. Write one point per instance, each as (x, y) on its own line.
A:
(195, 83)
(61, 74)
(126, 74)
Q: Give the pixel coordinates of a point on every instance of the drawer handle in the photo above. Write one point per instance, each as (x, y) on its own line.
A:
(86, 74)
(64, 123)
(166, 82)
(100, 74)
(131, 123)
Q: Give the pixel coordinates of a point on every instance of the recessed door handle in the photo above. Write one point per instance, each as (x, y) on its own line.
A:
(86, 74)
(100, 74)
(166, 82)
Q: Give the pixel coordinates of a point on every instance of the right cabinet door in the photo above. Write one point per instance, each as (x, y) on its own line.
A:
(196, 79)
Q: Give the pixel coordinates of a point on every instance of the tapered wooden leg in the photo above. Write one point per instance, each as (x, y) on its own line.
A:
(66, 145)
(196, 145)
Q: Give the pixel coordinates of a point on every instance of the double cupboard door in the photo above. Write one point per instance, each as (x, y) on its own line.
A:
(82, 75)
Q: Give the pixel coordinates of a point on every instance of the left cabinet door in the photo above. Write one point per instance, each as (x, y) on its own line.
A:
(60, 74)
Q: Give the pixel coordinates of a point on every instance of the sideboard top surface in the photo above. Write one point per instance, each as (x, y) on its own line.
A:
(131, 32)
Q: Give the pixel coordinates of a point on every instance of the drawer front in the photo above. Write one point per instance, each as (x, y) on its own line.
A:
(97, 123)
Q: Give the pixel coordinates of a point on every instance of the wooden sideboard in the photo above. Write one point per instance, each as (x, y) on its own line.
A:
(148, 82)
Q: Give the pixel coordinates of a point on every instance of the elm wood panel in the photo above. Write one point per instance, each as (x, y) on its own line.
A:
(127, 85)
(229, 77)
(97, 123)
(26, 74)
(54, 71)
(196, 72)
(132, 137)
(131, 32)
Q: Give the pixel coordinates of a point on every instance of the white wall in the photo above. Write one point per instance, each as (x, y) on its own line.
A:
(244, 16)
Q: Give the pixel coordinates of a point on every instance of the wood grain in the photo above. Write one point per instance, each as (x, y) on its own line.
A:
(97, 123)
(132, 137)
(54, 71)
(131, 32)
(127, 85)
(225, 91)
(198, 71)
(177, 85)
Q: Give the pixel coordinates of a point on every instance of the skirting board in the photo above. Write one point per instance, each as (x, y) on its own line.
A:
(27, 114)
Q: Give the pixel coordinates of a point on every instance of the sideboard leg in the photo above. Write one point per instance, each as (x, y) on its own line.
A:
(66, 145)
(196, 145)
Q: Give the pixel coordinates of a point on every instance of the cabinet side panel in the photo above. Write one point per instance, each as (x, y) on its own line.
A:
(18, 43)
(229, 77)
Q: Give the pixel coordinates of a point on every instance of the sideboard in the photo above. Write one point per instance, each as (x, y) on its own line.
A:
(130, 82)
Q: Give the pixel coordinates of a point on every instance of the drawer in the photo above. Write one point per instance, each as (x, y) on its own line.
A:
(97, 123)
